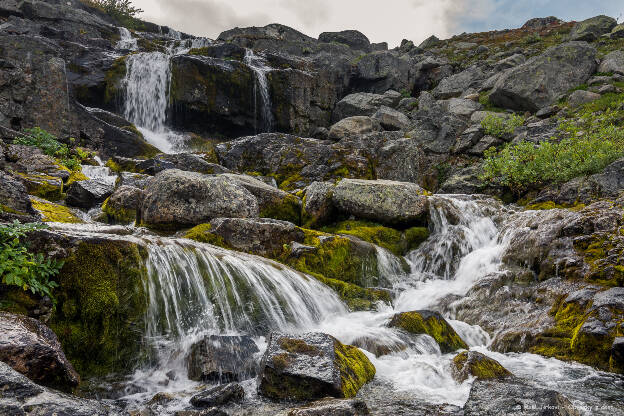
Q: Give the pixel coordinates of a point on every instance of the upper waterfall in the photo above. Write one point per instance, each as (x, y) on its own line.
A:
(261, 85)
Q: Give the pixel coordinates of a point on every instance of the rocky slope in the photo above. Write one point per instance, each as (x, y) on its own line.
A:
(357, 174)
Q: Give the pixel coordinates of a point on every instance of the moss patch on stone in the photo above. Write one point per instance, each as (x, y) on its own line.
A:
(202, 234)
(118, 214)
(114, 76)
(43, 186)
(355, 368)
(54, 212)
(287, 208)
(432, 324)
(467, 364)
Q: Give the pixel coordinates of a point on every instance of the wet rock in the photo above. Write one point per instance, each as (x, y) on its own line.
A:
(176, 198)
(222, 358)
(502, 398)
(613, 62)
(617, 356)
(593, 28)
(42, 185)
(391, 119)
(432, 324)
(262, 236)
(318, 207)
(14, 200)
(333, 407)
(205, 412)
(580, 97)
(360, 104)
(543, 79)
(219, 395)
(474, 364)
(161, 398)
(353, 126)
(312, 366)
(389, 202)
(124, 204)
(20, 396)
(352, 38)
(87, 194)
(33, 349)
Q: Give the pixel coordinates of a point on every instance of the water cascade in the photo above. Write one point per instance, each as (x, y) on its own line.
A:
(126, 41)
(261, 85)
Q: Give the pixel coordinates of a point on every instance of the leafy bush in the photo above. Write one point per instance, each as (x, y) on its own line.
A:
(50, 146)
(499, 126)
(116, 8)
(585, 145)
(19, 267)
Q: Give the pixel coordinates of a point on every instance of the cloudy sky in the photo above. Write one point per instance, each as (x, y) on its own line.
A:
(385, 20)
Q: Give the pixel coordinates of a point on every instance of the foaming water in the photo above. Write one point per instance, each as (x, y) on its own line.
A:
(260, 69)
(126, 40)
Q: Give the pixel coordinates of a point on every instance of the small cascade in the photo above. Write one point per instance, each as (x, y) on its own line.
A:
(261, 85)
(102, 173)
(126, 41)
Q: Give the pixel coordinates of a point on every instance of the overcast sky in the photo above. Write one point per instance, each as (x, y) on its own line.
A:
(385, 20)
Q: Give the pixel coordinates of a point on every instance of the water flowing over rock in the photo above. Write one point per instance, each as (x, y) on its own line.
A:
(223, 359)
(263, 115)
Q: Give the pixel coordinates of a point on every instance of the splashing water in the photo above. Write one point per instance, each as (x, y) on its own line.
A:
(126, 40)
(260, 69)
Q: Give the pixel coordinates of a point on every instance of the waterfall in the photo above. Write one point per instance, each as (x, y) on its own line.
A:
(126, 41)
(260, 69)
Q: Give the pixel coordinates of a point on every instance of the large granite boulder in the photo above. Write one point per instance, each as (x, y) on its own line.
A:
(455, 85)
(124, 205)
(388, 202)
(222, 358)
(219, 395)
(432, 324)
(378, 72)
(613, 62)
(87, 194)
(593, 28)
(312, 366)
(177, 198)
(352, 38)
(391, 119)
(318, 207)
(32, 349)
(353, 126)
(360, 104)
(545, 78)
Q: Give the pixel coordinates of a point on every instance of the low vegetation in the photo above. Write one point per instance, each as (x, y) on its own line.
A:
(50, 146)
(499, 126)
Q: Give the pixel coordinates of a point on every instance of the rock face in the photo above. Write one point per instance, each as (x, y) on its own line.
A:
(496, 398)
(542, 80)
(219, 395)
(474, 364)
(21, 396)
(262, 236)
(333, 407)
(592, 28)
(177, 198)
(389, 202)
(87, 194)
(32, 348)
(312, 366)
(360, 104)
(432, 324)
(222, 358)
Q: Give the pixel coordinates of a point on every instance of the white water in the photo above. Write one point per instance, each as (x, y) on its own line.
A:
(261, 86)
(126, 40)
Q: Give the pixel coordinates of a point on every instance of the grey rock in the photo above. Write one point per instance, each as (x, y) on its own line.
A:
(540, 23)
(391, 119)
(462, 107)
(617, 32)
(613, 298)
(547, 112)
(297, 250)
(219, 395)
(389, 202)
(177, 198)
(465, 181)
(353, 126)
(510, 62)
(318, 206)
(580, 97)
(613, 62)
(222, 358)
(593, 28)
(379, 72)
(607, 89)
(361, 104)
(333, 407)
(430, 42)
(543, 79)
(455, 85)
(87, 194)
(137, 180)
(124, 204)
(352, 38)
(408, 104)
(485, 143)
(14, 198)
(403, 160)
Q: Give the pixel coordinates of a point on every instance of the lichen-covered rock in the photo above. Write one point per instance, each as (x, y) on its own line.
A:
(351, 38)
(312, 366)
(222, 358)
(474, 364)
(455, 85)
(333, 407)
(580, 97)
(32, 349)
(21, 396)
(543, 79)
(501, 398)
(14, 200)
(124, 204)
(432, 324)
(591, 29)
(613, 62)
(617, 32)
(391, 119)
(51, 212)
(353, 126)
(41, 185)
(388, 202)
(219, 395)
(137, 180)
(262, 236)
(87, 194)
(317, 204)
(360, 104)
(176, 198)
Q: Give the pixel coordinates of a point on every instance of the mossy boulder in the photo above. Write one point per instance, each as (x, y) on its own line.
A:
(203, 234)
(312, 366)
(14, 200)
(113, 91)
(124, 205)
(474, 364)
(432, 324)
(593, 28)
(42, 185)
(51, 212)
(318, 208)
(99, 318)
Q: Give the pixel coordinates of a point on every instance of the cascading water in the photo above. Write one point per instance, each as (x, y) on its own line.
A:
(261, 85)
(126, 41)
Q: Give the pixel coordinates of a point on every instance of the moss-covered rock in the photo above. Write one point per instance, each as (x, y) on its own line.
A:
(123, 205)
(432, 324)
(51, 212)
(474, 364)
(114, 77)
(101, 306)
(42, 185)
(296, 368)
(202, 233)
(287, 208)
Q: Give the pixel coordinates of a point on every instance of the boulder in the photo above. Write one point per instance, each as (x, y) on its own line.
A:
(474, 364)
(219, 395)
(391, 119)
(502, 398)
(540, 23)
(333, 407)
(32, 349)
(317, 203)
(183, 161)
(617, 32)
(136, 180)
(381, 71)
(430, 42)
(14, 200)
(312, 366)
(352, 38)
(20, 396)
(580, 97)
(542, 80)
(455, 85)
(462, 107)
(593, 28)
(616, 363)
(222, 358)
(388, 202)
(44, 186)
(432, 324)
(124, 204)
(87, 194)
(404, 160)
(360, 104)
(613, 62)
(176, 198)
(353, 126)
(262, 236)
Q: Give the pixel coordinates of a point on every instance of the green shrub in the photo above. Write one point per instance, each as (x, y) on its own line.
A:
(19, 267)
(116, 8)
(50, 146)
(499, 126)
(533, 38)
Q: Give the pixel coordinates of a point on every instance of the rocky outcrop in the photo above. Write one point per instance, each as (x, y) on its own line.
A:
(593, 28)
(474, 364)
(361, 104)
(432, 324)
(352, 38)
(542, 80)
(176, 198)
(32, 349)
(312, 366)
(222, 358)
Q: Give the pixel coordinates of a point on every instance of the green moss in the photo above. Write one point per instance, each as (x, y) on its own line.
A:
(114, 76)
(202, 234)
(118, 214)
(102, 301)
(43, 186)
(432, 324)
(478, 366)
(298, 346)
(601, 252)
(114, 166)
(355, 368)
(287, 209)
(15, 300)
(54, 212)
(76, 176)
